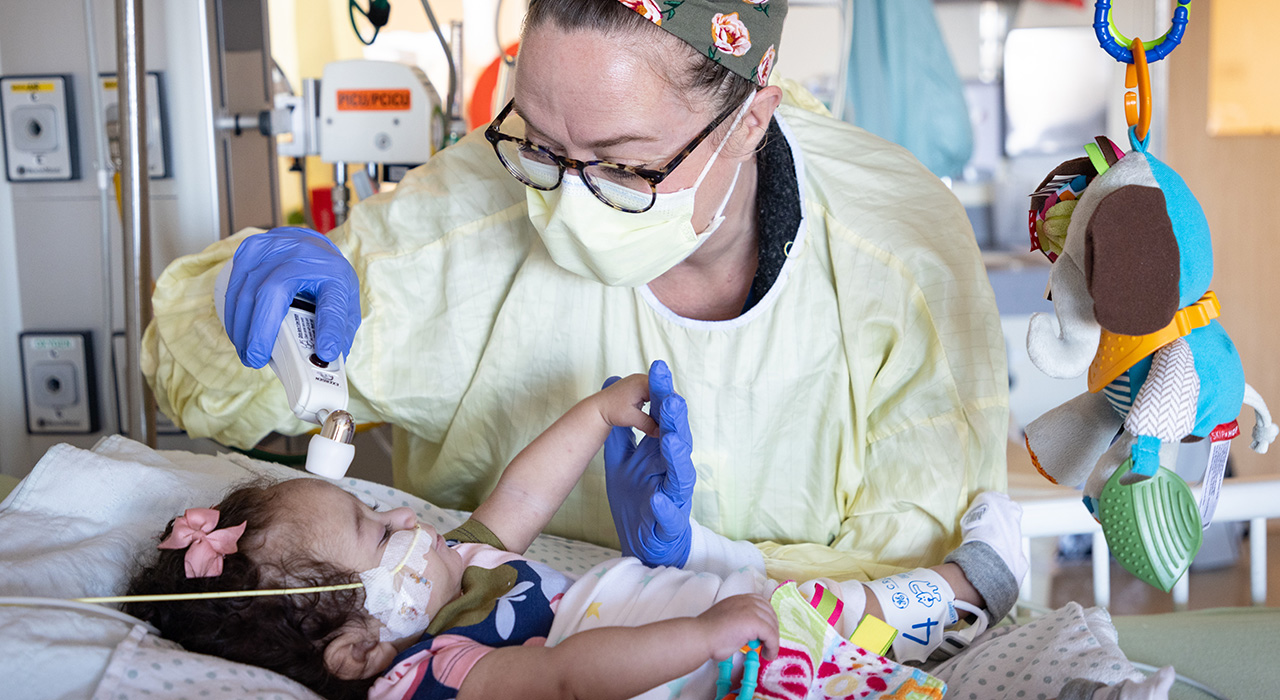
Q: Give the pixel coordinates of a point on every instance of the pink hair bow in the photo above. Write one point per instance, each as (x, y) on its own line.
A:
(206, 546)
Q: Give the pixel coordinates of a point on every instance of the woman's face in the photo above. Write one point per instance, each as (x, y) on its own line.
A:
(589, 96)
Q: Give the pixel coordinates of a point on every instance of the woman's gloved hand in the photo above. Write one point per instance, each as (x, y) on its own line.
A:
(650, 485)
(268, 270)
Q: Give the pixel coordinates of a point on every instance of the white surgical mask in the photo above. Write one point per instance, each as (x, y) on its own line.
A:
(589, 238)
(397, 592)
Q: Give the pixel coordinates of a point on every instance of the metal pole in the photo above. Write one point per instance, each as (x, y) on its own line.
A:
(102, 164)
(135, 211)
(341, 194)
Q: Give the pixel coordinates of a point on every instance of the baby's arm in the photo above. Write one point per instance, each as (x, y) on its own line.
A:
(537, 481)
(623, 662)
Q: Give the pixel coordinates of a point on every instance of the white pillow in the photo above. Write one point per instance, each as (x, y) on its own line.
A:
(80, 521)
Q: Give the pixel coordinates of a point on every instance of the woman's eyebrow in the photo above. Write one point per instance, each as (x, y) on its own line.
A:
(596, 145)
(600, 144)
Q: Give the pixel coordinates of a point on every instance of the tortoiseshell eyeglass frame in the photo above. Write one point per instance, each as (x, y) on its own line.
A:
(653, 176)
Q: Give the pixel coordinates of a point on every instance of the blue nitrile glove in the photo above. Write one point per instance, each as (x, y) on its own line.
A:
(650, 485)
(269, 269)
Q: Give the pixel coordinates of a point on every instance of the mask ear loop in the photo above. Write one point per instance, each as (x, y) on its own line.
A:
(737, 119)
(718, 218)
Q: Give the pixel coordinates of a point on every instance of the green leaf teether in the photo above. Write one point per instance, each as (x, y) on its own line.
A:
(1152, 527)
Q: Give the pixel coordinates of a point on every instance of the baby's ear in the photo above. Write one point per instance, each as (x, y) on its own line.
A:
(356, 653)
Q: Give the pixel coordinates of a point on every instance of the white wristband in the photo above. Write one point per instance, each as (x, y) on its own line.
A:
(719, 555)
(920, 605)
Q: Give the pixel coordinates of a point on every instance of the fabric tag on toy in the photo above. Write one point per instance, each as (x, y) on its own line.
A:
(815, 662)
(1219, 448)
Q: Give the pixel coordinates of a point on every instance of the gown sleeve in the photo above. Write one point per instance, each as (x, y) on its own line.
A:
(435, 258)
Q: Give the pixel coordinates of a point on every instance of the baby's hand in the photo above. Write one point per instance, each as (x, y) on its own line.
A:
(733, 622)
(621, 404)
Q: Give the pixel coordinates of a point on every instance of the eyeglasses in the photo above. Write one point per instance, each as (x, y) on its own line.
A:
(627, 188)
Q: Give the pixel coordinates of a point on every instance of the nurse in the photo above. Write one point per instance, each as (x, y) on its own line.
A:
(648, 194)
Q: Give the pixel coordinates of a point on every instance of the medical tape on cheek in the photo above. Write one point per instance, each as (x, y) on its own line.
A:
(417, 533)
(920, 605)
(395, 594)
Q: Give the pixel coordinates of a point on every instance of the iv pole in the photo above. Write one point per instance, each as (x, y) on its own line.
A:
(135, 214)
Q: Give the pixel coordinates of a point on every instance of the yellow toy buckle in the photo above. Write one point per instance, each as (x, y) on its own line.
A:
(1117, 353)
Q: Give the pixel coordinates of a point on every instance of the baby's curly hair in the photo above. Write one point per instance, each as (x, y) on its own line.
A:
(285, 633)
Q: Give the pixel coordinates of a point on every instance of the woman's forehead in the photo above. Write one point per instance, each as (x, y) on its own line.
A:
(580, 86)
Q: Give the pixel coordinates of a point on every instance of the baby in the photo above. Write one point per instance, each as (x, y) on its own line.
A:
(404, 611)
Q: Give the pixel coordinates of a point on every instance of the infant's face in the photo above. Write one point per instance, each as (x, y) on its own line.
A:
(353, 536)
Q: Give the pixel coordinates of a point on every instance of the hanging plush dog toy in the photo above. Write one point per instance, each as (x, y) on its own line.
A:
(1132, 260)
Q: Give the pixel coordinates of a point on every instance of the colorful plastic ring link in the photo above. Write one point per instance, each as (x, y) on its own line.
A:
(1119, 46)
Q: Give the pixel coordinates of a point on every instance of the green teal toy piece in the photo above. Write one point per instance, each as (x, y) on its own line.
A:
(1152, 527)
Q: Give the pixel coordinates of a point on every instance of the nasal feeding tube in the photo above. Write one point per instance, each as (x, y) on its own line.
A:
(316, 390)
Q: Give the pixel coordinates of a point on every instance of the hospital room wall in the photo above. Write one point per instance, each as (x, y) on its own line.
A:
(307, 34)
(1235, 178)
(51, 275)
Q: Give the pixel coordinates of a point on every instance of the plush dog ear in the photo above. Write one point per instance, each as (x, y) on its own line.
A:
(1131, 261)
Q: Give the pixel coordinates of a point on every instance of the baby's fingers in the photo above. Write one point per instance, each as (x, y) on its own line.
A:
(768, 632)
(769, 644)
(641, 421)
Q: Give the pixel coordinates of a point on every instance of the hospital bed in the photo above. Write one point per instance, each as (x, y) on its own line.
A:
(79, 522)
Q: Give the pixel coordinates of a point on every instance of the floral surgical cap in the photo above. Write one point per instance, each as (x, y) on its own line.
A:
(741, 35)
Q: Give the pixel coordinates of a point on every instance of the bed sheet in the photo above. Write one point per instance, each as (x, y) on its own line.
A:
(80, 523)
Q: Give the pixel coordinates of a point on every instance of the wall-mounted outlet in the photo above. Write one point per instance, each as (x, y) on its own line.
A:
(38, 123)
(156, 129)
(58, 382)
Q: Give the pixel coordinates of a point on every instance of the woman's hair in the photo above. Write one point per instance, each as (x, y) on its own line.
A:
(701, 75)
(284, 633)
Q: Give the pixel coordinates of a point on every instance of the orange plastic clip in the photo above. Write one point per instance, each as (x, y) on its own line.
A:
(1137, 107)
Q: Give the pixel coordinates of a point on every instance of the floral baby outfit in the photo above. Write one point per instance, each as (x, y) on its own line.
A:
(506, 600)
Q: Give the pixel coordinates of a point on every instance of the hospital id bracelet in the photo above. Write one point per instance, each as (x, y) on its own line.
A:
(873, 634)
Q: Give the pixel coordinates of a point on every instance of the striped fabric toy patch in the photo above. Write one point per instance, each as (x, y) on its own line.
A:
(827, 604)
